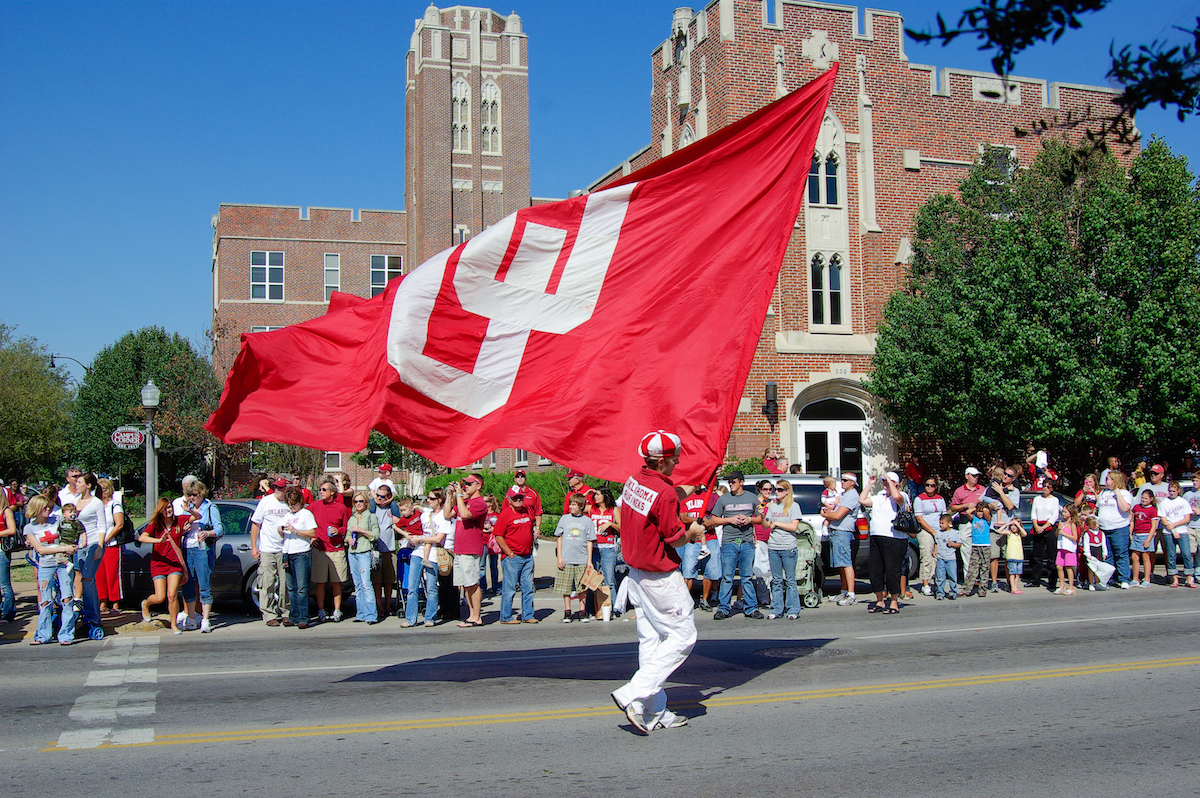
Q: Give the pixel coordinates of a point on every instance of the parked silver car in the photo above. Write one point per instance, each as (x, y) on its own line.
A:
(235, 574)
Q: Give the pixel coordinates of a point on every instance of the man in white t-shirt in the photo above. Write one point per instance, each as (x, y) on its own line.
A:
(180, 503)
(70, 492)
(1157, 483)
(383, 476)
(1175, 514)
(266, 546)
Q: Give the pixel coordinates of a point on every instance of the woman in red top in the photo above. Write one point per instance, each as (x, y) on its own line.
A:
(166, 561)
(1089, 492)
(607, 518)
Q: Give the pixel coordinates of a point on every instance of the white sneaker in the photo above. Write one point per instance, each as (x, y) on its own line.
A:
(670, 720)
(205, 628)
(926, 590)
(181, 618)
(337, 616)
(847, 600)
(633, 711)
(1124, 585)
(190, 625)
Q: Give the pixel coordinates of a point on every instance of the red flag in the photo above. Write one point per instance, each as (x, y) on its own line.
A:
(568, 329)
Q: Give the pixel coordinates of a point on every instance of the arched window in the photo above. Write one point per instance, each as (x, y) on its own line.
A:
(489, 113)
(827, 283)
(460, 117)
(831, 190)
(814, 181)
(687, 136)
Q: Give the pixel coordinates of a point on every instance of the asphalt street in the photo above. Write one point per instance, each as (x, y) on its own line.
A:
(1094, 694)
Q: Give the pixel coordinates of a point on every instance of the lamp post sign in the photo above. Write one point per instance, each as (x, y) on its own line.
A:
(128, 438)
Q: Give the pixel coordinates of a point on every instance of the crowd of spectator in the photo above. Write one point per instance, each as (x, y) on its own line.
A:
(428, 558)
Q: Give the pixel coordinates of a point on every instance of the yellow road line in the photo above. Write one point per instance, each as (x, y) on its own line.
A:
(591, 712)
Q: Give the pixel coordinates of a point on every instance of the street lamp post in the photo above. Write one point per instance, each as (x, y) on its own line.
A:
(150, 397)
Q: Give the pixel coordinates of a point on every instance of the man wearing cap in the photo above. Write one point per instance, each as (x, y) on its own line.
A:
(651, 531)
(842, 521)
(737, 510)
(1157, 483)
(266, 546)
(471, 508)
(964, 496)
(383, 476)
(514, 532)
(577, 487)
(533, 500)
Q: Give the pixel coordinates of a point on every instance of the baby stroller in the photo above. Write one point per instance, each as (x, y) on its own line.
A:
(807, 552)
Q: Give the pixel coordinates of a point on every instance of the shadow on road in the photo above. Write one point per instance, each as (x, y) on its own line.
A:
(713, 667)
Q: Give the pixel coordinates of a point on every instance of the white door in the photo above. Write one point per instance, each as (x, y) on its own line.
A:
(831, 436)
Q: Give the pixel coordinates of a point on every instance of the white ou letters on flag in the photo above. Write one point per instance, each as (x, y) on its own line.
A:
(515, 301)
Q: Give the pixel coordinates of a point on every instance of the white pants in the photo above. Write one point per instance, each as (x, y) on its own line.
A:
(666, 627)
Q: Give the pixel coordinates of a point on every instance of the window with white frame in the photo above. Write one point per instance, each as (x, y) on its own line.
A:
(489, 112)
(333, 461)
(827, 280)
(543, 461)
(333, 274)
(461, 234)
(460, 117)
(823, 180)
(384, 268)
(264, 328)
(492, 460)
(522, 458)
(266, 275)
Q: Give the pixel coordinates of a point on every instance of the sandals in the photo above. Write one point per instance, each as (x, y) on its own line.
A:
(470, 624)
(874, 608)
(892, 611)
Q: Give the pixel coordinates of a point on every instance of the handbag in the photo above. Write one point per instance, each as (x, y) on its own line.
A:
(906, 522)
(12, 543)
(762, 560)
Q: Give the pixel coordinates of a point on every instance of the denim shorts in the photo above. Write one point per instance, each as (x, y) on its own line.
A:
(689, 557)
(710, 566)
(1016, 567)
(1143, 543)
(839, 548)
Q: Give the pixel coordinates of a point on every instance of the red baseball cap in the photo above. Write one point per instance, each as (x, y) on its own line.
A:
(280, 483)
(386, 467)
(1157, 469)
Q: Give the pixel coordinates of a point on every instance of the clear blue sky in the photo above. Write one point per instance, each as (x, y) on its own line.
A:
(123, 125)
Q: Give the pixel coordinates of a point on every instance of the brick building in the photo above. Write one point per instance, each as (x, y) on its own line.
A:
(467, 167)
(895, 134)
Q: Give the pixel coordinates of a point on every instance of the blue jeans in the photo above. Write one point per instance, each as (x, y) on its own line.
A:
(945, 577)
(1184, 544)
(299, 571)
(364, 591)
(783, 578)
(1118, 551)
(9, 607)
(416, 572)
(739, 557)
(86, 562)
(518, 570)
(494, 561)
(200, 567)
(57, 586)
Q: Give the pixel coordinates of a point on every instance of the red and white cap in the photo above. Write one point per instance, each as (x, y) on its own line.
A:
(659, 444)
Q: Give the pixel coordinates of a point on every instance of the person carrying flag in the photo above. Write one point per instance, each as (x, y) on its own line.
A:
(651, 531)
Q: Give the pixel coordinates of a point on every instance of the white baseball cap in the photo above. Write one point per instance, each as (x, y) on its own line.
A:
(972, 470)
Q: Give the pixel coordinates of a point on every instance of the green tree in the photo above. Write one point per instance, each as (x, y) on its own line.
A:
(110, 395)
(1057, 307)
(1157, 73)
(35, 409)
(284, 458)
(382, 449)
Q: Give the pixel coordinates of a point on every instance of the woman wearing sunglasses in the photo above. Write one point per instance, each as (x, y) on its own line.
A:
(782, 519)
